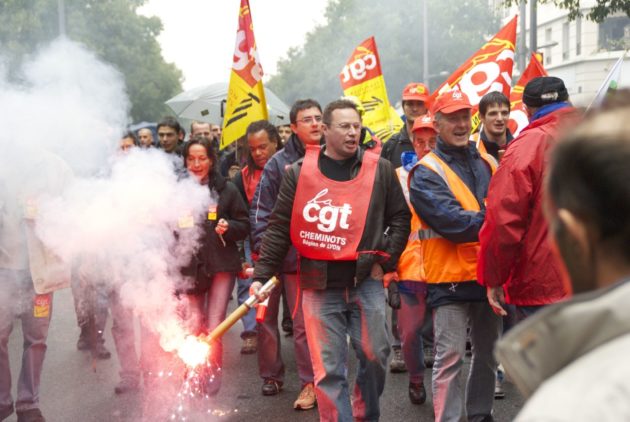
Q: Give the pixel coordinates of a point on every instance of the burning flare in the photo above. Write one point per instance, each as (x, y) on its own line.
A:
(194, 352)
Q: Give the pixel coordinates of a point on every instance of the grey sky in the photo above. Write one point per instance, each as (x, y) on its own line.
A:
(199, 35)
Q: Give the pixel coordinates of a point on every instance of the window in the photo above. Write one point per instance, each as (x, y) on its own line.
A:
(565, 41)
(614, 33)
(548, 49)
(578, 36)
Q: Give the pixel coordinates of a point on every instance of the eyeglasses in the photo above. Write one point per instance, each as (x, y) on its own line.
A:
(310, 120)
(346, 126)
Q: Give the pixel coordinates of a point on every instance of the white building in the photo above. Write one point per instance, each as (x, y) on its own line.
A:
(580, 52)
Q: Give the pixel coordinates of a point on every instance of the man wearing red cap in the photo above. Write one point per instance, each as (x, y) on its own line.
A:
(414, 103)
(447, 191)
(409, 274)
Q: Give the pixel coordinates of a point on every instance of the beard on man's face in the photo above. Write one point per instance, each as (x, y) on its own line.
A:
(580, 265)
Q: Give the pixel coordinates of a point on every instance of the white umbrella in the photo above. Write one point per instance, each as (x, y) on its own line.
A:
(207, 104)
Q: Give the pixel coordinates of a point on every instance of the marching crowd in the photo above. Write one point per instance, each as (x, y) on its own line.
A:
(469, 238)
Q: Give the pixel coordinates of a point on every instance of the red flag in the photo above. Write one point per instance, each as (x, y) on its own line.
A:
(518, 115)
(489, 69)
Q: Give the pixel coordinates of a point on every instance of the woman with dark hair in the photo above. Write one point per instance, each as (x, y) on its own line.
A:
(263, 141)
(213, 267)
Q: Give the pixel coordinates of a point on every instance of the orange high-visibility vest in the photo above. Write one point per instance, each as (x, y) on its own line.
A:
(445, 261)
(410, 266)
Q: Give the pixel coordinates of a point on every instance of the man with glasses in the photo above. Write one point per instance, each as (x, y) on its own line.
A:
(306, 118)
(334, 207)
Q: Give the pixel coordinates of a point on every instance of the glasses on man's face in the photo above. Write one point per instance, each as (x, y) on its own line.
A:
(310, 120)
(345, 127)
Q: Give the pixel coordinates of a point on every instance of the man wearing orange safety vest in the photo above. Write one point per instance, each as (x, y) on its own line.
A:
(409, 274)
(447, 190)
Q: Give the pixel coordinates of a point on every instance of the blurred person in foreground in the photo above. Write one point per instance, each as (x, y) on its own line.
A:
(344, 253)
(29, 273)
(571, 359)
(213, 268)
(262, 142)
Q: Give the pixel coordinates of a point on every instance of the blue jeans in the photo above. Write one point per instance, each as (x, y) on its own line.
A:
(16, 301)
(242, 294)
(330, 316)
(450, 323)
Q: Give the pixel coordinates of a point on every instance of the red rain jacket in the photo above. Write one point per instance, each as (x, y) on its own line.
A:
(515, 250)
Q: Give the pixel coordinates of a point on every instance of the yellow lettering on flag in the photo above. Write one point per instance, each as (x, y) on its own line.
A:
(518, 114)
(362, 78)
(489, 69)
(246, 96)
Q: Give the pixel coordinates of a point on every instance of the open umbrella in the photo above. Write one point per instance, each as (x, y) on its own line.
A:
(207, 104)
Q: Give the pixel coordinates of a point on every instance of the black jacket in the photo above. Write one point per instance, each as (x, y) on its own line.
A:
(387, 209)
(395, 146)
(212, 257)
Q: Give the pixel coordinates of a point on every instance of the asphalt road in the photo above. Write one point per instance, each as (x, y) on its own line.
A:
(74, 389)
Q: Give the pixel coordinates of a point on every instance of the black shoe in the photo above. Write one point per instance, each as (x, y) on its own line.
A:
(30, 415)
(127, 386)
(417, 393)
(271, 387)
(287, 326)
(83, 343)
(101, 351)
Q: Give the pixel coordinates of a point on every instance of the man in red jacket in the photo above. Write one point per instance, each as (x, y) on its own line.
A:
(515, 251)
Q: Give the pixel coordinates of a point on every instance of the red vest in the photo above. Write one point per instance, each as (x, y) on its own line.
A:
(250, 181)
(328, 216)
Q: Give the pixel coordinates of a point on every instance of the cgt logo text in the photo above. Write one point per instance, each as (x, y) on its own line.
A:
(325, 214)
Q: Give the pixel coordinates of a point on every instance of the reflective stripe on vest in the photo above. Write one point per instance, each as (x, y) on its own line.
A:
(445, 261)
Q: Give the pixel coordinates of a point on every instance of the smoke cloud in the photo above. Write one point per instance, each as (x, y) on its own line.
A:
(118, 219)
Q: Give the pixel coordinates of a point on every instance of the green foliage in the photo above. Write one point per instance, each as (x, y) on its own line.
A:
(456, 30)
(599, 12)
(110, 28)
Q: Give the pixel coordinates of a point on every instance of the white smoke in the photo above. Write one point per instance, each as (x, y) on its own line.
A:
(117, 220)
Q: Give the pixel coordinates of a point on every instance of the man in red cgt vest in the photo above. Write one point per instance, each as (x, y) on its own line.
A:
(344, 211)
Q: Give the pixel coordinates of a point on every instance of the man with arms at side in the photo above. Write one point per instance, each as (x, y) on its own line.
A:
(448, 190)
(344, 254)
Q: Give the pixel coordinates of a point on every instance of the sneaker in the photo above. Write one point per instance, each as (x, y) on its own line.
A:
(271, 387)
(250, 346)
(397, 365)
(499, 392)
(127, 385)
(30, 415)
(306, 400)
(417, 393)
(429, 357)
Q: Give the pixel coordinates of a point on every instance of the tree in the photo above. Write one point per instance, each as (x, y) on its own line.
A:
(112, 29)
(597, 13)
(457, 28)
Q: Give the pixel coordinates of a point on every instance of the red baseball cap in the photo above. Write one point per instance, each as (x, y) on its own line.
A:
(415, 91)
(423, 122)
(450, 102)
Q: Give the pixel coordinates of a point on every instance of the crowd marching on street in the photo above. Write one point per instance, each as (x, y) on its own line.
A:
(451, 241)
